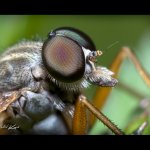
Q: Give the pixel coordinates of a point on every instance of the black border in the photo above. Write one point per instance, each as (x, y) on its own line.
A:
(70, 7)
(75, 142)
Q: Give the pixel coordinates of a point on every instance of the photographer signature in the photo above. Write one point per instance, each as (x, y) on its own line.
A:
(10, 126)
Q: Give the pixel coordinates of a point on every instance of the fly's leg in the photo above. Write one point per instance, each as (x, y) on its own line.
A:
(102, 93)
(79, 125)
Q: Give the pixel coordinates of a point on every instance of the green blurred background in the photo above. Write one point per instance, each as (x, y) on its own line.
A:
(109, 33)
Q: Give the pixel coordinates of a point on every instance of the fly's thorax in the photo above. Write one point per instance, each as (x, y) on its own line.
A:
(16, 65)
(25, 51)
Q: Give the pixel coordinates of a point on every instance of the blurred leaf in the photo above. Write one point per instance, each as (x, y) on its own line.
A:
(121, 103)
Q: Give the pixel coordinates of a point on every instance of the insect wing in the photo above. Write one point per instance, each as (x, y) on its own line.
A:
(7, 98)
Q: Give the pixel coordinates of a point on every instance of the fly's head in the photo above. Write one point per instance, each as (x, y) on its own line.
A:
(69, 56)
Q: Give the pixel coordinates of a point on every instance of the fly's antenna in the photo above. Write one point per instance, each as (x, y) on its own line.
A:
(110, 46)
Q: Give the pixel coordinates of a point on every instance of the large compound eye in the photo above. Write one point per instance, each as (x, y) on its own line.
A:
(63, 55)
(64, 59)
(76, 35)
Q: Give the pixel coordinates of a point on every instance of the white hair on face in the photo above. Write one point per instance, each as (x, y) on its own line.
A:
(74, 86)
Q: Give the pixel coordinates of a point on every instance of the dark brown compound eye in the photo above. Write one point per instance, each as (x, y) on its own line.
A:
(76, 35)
(63, 58)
